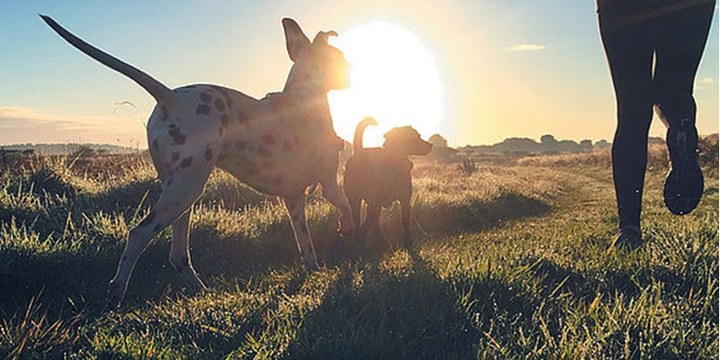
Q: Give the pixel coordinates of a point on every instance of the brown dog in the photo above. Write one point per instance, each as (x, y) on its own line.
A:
(382, 175)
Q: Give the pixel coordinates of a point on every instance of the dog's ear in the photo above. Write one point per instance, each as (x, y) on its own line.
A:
(322, 36)
(389, 134)
(295, 39)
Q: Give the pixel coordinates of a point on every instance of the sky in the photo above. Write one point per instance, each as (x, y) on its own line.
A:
(490, 69)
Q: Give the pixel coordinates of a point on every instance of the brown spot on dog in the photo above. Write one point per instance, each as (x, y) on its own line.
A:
(268, 139)
(175, 157)
(208, 154)
(205, 97)
(267, 164)
(286, 145)
(203, 109)
(221, 90)
(240, 145)
(263, 151)
(226, 95)
(186, 162)
(163, 113)
(220, 105)
(242, 117)
(178, 137)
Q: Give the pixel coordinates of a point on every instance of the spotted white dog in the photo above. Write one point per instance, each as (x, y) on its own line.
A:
(279, 145)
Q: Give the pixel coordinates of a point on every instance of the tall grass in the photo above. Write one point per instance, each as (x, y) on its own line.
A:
(507, 262)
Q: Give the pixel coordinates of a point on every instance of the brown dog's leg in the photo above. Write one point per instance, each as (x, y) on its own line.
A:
(332, 192)
(296, 208)
(355, 208)
(372, 221)
(405, 208)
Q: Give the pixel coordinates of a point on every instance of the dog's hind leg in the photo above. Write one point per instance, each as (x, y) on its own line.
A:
(372, 221)
(176, 198)
(356, 209)
(295, 205)
(180, 251)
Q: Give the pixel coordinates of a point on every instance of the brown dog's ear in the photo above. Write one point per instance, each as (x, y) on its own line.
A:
(295, 39)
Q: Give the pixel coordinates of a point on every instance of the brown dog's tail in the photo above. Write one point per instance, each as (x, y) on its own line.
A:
(359, 130)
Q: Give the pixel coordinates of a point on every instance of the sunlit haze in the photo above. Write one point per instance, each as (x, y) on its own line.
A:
(394, 79)
(476, 72)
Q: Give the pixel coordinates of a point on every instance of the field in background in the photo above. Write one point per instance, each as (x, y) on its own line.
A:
(509, 261)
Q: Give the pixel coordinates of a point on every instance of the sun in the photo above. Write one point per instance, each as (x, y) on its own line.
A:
(394, 78)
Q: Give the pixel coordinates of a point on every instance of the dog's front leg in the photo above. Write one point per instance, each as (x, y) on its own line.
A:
(332, 192)
(405, 215)
(295, 205)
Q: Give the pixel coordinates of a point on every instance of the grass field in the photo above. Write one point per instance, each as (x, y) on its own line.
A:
(508, 261)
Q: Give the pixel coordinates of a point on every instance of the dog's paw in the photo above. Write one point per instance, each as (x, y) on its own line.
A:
(312, 266)
(115, 294)
(346, 228)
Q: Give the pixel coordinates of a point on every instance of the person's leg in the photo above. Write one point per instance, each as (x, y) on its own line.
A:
(629, 52)
(681, 41)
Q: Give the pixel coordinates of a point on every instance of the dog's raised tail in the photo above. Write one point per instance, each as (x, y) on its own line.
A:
(159, 91)
(359, 130)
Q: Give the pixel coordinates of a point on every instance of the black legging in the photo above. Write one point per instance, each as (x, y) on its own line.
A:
(676, 35)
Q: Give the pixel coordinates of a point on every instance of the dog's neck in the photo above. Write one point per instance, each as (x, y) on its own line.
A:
(309, 94)
(302, 82)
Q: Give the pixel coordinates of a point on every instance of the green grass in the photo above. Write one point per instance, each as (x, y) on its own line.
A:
(507, 262)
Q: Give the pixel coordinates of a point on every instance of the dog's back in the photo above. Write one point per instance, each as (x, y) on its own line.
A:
(378, 176)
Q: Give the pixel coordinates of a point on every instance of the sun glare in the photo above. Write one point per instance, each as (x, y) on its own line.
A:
(394, 78)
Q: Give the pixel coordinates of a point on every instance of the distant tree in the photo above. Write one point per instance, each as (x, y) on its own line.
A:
(441, 152)
(84, 150)
(438, 141)
(548, 140)
(601, 144)
(586, 145)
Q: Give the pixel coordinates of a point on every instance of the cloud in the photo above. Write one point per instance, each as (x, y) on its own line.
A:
(526, 47)
(706, 81)
(24, 125)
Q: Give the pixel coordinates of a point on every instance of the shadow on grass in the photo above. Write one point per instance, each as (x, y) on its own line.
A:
(630, 281)
(369, 313)
(81, 274)
(477, 214)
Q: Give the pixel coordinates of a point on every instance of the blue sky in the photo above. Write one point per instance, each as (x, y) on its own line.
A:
(509, 68)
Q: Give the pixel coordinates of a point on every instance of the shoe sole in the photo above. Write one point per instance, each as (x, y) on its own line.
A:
(684, 184)
(682, 191)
